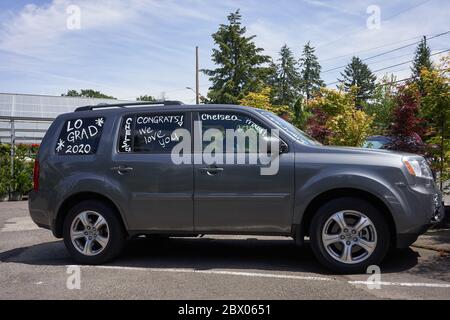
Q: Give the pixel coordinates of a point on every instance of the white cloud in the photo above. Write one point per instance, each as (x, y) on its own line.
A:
(133, 47)
(35, 28)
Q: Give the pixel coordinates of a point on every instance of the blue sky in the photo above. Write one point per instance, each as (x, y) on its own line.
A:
(126, 48)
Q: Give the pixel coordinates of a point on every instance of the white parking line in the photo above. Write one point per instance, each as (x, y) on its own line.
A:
(274, 275)
(403, 284)
(221, 272)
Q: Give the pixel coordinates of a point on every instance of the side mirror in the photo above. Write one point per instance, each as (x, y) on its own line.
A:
(283, 147)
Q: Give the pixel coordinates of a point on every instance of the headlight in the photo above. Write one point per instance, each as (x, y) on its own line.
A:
(418, 168)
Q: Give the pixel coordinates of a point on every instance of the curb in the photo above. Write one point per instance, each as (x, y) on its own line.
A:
(444, 251)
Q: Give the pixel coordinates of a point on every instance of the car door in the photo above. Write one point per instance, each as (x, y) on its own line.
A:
(232, 197)
(159, 193)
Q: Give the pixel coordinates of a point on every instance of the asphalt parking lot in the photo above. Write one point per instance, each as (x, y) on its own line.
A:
(34, 265)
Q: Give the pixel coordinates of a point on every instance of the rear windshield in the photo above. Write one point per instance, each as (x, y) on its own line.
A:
(80, 136)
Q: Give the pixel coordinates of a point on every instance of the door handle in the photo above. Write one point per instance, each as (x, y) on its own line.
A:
(122, 169)
(211, 171)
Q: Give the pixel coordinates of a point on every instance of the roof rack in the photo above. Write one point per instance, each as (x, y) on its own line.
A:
(125, 104)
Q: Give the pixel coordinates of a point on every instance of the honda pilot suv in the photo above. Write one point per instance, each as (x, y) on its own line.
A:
(107, 173)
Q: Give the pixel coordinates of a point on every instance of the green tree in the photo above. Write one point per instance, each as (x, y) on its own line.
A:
(351, 128)
(382, 104)
(301, 113)
(146, 98)
(310, 72)
(358, 74)
(436, 111)
(335, 121)
(261, 100)
(422, 58)
(71, 93)
(86, 93)
(287, 81)
(240, 64)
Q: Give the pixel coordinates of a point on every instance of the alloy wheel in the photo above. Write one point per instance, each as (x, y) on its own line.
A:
(349, 236)
(89, 233)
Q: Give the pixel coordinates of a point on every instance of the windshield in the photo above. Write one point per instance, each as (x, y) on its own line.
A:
(290, 129)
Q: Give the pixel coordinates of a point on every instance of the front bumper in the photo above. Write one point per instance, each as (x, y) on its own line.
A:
(404, 240)
(424, 207)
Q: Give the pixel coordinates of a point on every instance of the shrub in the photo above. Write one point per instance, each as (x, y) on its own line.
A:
(336, 121)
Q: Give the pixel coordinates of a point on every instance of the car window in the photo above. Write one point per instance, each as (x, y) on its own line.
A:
(239, 122)
(80, 136)
(294, 132)
(150, 132)
(373, 144)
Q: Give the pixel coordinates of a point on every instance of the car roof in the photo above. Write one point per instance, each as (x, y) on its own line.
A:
(122, 108)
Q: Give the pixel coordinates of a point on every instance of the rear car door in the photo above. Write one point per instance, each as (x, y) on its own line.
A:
(159, 192)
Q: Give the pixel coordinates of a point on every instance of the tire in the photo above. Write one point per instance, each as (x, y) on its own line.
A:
(367, 246)
(110, 228)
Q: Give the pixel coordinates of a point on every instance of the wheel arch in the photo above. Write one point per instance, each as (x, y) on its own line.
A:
(77, 198)
(326, 196)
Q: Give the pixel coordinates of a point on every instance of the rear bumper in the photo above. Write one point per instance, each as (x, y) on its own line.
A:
(39, 211)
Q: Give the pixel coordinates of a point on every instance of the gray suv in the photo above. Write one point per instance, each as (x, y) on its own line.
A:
(107, 173)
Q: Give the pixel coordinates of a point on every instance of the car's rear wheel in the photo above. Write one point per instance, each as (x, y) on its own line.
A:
(349, 234)
(93, 233)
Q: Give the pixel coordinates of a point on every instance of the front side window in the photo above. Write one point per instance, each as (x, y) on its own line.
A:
(290, 129)
(247, 130)
(150, 132)
(80, 136)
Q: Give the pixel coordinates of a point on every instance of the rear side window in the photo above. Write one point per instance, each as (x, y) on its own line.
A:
(80, 136)
(150, 132)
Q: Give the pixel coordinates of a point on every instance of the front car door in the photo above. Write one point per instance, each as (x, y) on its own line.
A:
(237, 198)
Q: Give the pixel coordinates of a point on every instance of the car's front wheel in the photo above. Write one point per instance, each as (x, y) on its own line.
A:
(349, 234)
(93, 233)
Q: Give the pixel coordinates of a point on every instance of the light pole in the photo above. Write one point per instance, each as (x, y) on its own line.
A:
(197, 95)
(197, 86)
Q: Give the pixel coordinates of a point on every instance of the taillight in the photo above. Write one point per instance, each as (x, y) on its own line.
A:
(36, 175)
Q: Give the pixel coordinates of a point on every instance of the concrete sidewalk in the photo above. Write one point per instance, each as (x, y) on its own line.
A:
(435, 239)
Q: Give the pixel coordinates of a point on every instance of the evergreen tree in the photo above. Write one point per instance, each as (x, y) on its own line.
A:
(358, 74)
(310, 72)
(421, 61)
(240, 63)
(422, 58)
(287, 80)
